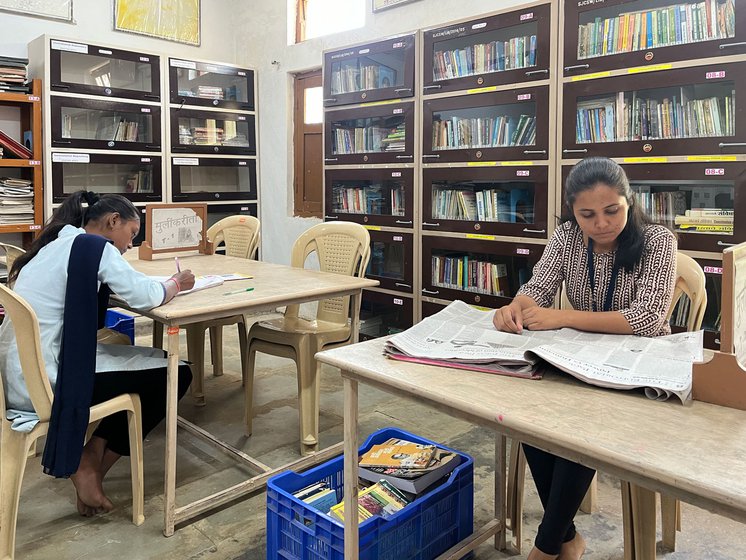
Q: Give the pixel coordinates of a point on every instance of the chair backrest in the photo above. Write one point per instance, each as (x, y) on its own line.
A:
(342, 248)
(239, 233)
(690, 281)
(28, 340)
(11, 253)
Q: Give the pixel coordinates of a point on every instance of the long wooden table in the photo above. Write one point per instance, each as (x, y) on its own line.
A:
(695, 453)
(274, 285)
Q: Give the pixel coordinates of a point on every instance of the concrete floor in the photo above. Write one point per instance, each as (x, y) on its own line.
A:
(49, 527)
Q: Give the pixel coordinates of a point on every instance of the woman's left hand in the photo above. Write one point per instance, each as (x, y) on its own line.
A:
(543, 319)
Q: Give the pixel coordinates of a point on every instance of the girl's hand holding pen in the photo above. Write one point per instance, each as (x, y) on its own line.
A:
(184, 280)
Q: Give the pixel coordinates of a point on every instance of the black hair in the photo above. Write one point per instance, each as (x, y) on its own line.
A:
(593, 171)
(72, 212)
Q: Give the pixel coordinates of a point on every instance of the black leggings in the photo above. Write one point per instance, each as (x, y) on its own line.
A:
(562, 485)
(150, 384)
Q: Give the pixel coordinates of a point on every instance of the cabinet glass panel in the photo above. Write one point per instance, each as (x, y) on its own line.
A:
(213, 179)
(714, 288)
(383, 314)
(210, 85)
(370, 135)
(212, 132)
(505, 48)
(478, 272)
(487, 126)
(391, 260)
(382, 70)
(370, 196)
(81, 68)
(86, 123)
(663, 113)
(499, 200)
(138, 178)
(623, 33)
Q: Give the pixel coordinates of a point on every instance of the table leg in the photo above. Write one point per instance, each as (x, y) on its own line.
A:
(643, 517)
(350, 468)
(501, 508)
(169, 490)
(357, 299)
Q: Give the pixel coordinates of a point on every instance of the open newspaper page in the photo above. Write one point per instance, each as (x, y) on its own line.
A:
(462, 336)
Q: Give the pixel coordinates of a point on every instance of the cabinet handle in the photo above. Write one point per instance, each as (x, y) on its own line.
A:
(153, 97)
(403, 285)
(178, 196)
(331, 217)
(582, 151)
(404, 222)
(331, 159)
(532, 72)
(404, 157)
(717, 341)
(154, 196)
(529, 230)
(534, 151)
(433, 86)
(152, 146)
(178, 148)
(60, 86)
(430, 292)
(724, 244)
(63, 142)
(577, 67)
(402, 89)
(731, 144)
(431, 224)
(330, 100)
(246, 107)
(430, 156)
(728, 45)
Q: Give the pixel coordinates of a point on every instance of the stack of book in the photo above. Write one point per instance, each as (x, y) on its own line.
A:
(706, 220)
(16, 201)
(394, 140)
(481, 58)
(13, 74)
(381, 499)
(462, 272)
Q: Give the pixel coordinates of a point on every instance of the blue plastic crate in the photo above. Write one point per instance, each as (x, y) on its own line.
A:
(421, 531)
(120, 322)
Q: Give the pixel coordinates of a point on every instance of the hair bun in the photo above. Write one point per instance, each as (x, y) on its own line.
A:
(91, 197)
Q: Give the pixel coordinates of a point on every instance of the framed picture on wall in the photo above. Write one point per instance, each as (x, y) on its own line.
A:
(56, 9)
(379, 5)
(174, 20)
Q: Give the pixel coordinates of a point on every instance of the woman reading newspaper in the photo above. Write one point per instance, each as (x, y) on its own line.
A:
(618, 270)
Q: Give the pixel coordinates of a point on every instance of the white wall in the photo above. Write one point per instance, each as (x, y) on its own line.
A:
(264, 23)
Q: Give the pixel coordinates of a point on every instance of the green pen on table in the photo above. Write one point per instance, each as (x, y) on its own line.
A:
(238, 291)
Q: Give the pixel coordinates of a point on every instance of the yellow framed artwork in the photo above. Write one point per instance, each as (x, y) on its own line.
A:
(175, 20)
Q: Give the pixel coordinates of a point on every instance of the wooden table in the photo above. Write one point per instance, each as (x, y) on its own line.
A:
(695, 453)
(274, 285)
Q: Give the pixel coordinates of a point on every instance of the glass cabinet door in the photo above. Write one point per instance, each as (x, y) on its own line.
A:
(210, 85)
(383, 314)
(380, 134)
(501, 49)
(623, 33)
(137, 178)
(670, 112)
(204, 132)
(480, 272)
(497, 200)
(88, 123)
(381, 197)
(487, 126)
(213, 178)
(82, 68)
(372, 72)
(391, 260)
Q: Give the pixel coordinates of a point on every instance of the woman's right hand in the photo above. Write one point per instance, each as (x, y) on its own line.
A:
(184, 279)
(509, 318)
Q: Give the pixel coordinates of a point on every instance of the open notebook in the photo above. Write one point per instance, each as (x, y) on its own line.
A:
(200, 283)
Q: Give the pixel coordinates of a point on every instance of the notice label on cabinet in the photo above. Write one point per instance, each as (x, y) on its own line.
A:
(145, 109)
(591, 76)
(398, 238)
(34, 227)
(713, 269)
(529, 15)
(68, 46)
(523, 96)
(145, 160)
(710, 158)
(479, 25)
(481, 89)
(398, 301)
(715, 75)
(522, 251)
(183, 64)
(715, 171)
(363, 51)
(522, 173)
(396, 173)
(480, 236)
(186, 161)
(651, 68)
(104, 51)
(71, 158)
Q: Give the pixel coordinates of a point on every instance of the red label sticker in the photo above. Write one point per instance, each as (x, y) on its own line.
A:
(524, 96)
(522, 172)
(521, 251)
(529, 15)
(713, 269)
(714, 171)
(715, 75)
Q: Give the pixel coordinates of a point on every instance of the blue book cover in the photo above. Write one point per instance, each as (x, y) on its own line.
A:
(532, 51)
(677, 24)
(500, 55)
(649, 28)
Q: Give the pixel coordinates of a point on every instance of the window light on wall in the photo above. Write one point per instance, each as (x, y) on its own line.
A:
(324, 17)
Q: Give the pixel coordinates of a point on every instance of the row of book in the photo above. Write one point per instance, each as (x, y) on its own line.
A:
(386, 260)
(351, 77)
(459, 272)
(16, 201)
(368, 139)
(662, 207)
(483, 132)
(13, 75)
(657, 27)
(485, 205)
(481, 58)
(625, 118)
(140, 182)
(115, 127)
(368, 200)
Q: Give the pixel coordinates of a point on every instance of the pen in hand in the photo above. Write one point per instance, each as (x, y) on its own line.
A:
(178, 267)
(238, 291)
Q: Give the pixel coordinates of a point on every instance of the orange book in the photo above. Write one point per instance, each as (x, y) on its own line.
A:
(398, 453)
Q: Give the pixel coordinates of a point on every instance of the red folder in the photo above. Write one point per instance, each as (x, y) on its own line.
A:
(14, 147)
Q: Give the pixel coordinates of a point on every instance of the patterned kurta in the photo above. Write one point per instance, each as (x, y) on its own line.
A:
(642, 296)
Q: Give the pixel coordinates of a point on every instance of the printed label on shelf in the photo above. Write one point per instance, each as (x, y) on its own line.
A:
(480, 236)
(373, 228)
(145, 160)
(58, 157)
(714, 75)
(398, 238)
(715, 171)
(523, 96)
(241, 73)
(68, 46)
(524, 17)
(241, 118)
(481, 163)
(104, 51)
(363, 51)
(396, 173)
(183, 64)
(522, 173)
(399, 45)
(144, 59)
(186, 161)
(651, 68)
(145, 109)
(398, 111)
(710, 158)
(34, 98)
(398, 301)
(34, 162)
(522, 251)
(590, 76)
(482, 89)
(385, 102)
(645, 159)
(34, 227)
(514, 163)
(243, 163)
(479, 25)
(713, 269)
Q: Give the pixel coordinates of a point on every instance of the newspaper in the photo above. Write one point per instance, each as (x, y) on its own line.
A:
(462, 336)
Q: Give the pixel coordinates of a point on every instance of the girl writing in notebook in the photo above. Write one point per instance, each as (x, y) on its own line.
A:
(65, 277)
(618, 271)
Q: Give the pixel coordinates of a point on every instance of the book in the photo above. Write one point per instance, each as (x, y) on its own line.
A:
(380, 499)
(398, 453)
(414, 481)
(710, 228)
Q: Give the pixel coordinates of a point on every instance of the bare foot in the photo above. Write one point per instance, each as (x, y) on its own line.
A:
(91, 499)
(574, 549)
(537, 554)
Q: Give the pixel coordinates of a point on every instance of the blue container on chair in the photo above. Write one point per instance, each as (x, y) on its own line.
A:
(120, 322)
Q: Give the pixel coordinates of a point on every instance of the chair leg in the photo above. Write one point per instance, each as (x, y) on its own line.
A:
(134, 421)
(157, 335)
(248, 389)
(590, 500)
(516, 483)
(670, 521)
(309, 371)
(14, 449)
(216, 350)
(196, 352)
(243, 344)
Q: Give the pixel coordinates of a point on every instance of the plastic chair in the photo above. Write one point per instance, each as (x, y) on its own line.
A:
(241, 236)
(14, 445)
(690, 282)
(11, 254)
(342, 248)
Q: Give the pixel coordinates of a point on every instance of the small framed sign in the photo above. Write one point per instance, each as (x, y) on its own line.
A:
(175, 227)
(379, 5)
